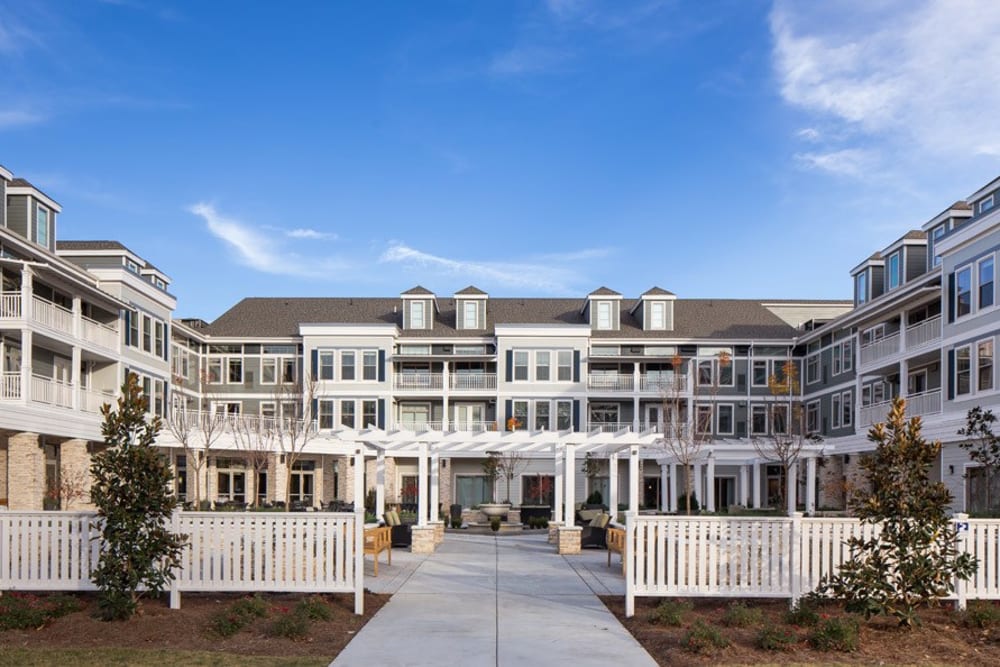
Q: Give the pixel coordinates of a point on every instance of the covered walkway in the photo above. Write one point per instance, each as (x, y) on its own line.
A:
(484, 600)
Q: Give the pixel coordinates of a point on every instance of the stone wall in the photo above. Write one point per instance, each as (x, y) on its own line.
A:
(74, 475)
(830, 483)
(26, 474)
(3, 469)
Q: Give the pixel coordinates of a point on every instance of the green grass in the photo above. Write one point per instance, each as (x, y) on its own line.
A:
(113, 657)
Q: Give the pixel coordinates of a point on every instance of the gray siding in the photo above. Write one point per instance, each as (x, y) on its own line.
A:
(916, 262)
(460, 313)
(428, 313)
(17, 214)
(877, 281)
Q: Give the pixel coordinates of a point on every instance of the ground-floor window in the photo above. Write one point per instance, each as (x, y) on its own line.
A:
(775, 486)
(408, 490)
(303, 482)
(232, 480)
(472, 490)
(181, 478)
(261, 487)
(53, 492)
(600, 485)
(537, 490)
(651, 492)
(977, 498)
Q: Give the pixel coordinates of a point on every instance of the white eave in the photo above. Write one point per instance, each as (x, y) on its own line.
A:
(36, 193)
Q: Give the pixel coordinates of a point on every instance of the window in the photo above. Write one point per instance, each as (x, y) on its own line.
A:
(347, 414)
(759, 378)
(325, 366)
(346, 365)
(147, 333)
(231, 476)
(604, 315)
(758, 420)
(214, 370)
(812, 417)
(705, 374)
(894, 277)
(470, 315)
(564, 415)
(984, 362)
(838, 357)
(861, 288)
(370, 365)
(779, 418)
(288, 370)
(604, 417)
(520, 366)
(132, 333)
(985, 282)
(835, 410)
(131, 266)
(417, 315)
(158, 341)
(812, 368)
(724, 419)
(936, 234)
(564, 359)
(180, 478)
(467, 349)
(869, 336)
(472, 490)
(261, 487)
(725, 373)
(963, 292)
(325, 416)
(847, 353)
(416, 349)
(542, 415)
(267, 370)
(369, 414)
(235, 370)
(537, 489)
(657, 315)
(42, 226)
(520, 415)
(302, 482)
(541, 366)
(984, 205)
(847, 407)
(703, 419)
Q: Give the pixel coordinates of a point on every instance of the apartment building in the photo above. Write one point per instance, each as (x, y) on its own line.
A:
(429, 385)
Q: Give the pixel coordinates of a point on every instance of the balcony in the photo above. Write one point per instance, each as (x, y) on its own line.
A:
(663, 382)
(99, 334)
(10, 387)
(917, 405)
(609, 427)
(923, 333)
(50, 392)
(419, 427)
(882, 348)
(418, 381)
(58, 318)
(472, 381)
(51, 315)
(91, 401)
(611, 382)
(10, 306)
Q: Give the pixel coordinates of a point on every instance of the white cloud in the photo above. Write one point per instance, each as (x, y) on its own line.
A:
(310, 234)
(810, 134)
(15, 118)
(263, 252)
(845, 162)
(898, 71)
(542, 277)
(528, 60)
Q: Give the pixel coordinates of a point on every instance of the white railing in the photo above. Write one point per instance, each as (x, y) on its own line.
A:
(662, 383)
(52, 315)
(472, 427)
(880, 349)
(917, 405)
(610, 382)
(473, 381)
(91, 401)
(226, 552)
(417, 381)
(923, 332)
(609, 427)
(10, 306)
(44, 390)
(420, 427)
(223, 422)
(10, 386)
(101, 334)
(773, 557)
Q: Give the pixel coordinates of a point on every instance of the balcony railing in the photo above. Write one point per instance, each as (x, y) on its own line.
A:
(664, 382)
(10, 386)
(52, 315)
(880, 349)
(91, 401)
(50, 392)
(610, 382)
(917, 405)
(417, 381)
(419, 427)
(923, 332)
(473, 381)
(609, 427)
(100, 334)
(10, 306)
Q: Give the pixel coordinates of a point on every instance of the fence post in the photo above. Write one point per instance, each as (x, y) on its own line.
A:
(961, 525)
(4, 553)
(628, 554)
(175, 585)
(795, 559)
(359, 532)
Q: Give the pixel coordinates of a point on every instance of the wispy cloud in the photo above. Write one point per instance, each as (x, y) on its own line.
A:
(853, 162)
(886, 74)
(17, 118)
(262, 252)
(809, 134)
(547, 277)
(313, 234)
(529, 59)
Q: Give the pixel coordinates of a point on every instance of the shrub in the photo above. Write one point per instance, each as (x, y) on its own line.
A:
(670, 612)
(775, 639)
(739, 615)
(495, 524)
(803, 614)
(595, 498)
(839, 633)
(703, 638)
(21, 611)
(981, 614)
(456, 522)
(227, 622)
(290, 626)
(314, 608)
(682, 502)
(250, 607)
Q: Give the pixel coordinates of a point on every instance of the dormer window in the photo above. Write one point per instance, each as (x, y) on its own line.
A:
(986, 204)
(657, 315)
(604, 315)
(936, 235)
(861, 288)
(417, 319)
(131, 266)
(894, 265)
(470, 315)
(42, 226)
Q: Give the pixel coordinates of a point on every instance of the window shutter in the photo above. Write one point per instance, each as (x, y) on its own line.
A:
(951, 300)
(510, 368)
(508, 408)
(166, 396)
(381, 367)
(315, 364)
(951, 375)
(576, 415)
(128, 326)
(314, 416)
(381, 413)
(576, 365)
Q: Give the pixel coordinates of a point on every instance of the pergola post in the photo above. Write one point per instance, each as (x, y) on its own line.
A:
(633, 478)
(613, 484)
(380, 483)
(422, 486)
(696, 484)
(570, 482)
(755, 485)
(675, 483)
(557, 492)
(664, 489)
(744, 483)
(435, 484)
(710, 483)
(791, 486)
(811, 485)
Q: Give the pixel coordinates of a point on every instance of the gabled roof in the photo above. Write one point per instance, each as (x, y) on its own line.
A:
(471, 290)
(657, 291)
(419, 290)
(604, 291)
(103, 245)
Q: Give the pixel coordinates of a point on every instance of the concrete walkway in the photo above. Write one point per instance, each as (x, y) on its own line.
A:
(484, 600)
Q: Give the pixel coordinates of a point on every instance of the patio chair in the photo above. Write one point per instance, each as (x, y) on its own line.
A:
(595, 535)
(401, 536)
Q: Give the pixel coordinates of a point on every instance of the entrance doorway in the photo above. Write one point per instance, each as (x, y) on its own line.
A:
(725, 492)
(651, 492)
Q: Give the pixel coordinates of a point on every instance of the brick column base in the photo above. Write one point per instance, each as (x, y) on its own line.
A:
(569, 539)
(438, 527)
(554, 527)
(25, 472)
(74, 470)
(422, 539)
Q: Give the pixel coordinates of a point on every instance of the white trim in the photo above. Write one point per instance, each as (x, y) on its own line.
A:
(36, 193)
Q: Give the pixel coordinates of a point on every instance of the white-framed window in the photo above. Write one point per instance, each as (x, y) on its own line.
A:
(703, 419)
(657, 315)
(758, 419)
(417, 319)
(521, 365)
(779, 417)
(564, 415)
(758, 377)
(147, 334)
(369, 413)
(963, 370)
(835, 412)
(706, 372)
(986, 204)
(347, 365)
(724, 419)
(369, 369)
(985, 282)
(604, 416)
(963, 291)
(42, 226)
(984, 364)
(520, 415)
(894, 269)
(234, 370)
(843, 355)
(158, 339)
(542, 416)
(812, 368)
(812, 417)
(470, 315)
(542, 366)
(936, 235)
(417, 350)
(861, 287)
(214, 367)
(327, 359)
(604, 315)
(347, 413)
(847, 409)
(564, 365)
(231, 479)
(131, 266)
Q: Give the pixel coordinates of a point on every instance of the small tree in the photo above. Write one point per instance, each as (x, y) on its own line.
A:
(911, 559)
(511, 464)
(983, 446)
(255, 437)
(131, 489)
(196, 428)
(294, 427)
(491, 471)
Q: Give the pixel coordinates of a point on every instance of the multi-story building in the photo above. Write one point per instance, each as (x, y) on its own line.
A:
(430, 385)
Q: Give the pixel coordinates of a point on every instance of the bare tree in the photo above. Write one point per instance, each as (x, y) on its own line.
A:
(788, 434)
(511, 464)
(255, 437)
(684, 436)
(196, 428)
(294, 423)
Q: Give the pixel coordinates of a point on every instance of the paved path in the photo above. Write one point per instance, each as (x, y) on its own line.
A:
(483, 600)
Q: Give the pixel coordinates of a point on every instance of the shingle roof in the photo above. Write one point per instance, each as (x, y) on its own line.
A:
(657, 291)
(915, 234)
(960, 206)
(419, 289)
(471, 290)
(604, 291)
(102, 245)
(259, 317)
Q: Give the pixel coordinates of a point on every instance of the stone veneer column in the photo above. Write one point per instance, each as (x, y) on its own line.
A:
(423, 539)
(445, 487)
(3, 471)
(25, 472)
(347, 488)
(74, 472)
(329, 473)
(831, 483)
(569, 539)
(277, 473)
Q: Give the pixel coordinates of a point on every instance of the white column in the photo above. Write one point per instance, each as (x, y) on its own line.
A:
(755, 485)
(445, 387)
(77, 317)
(633, 478)
(359, 481)
(664, 489)
(904, 373)
(696, 485)
(710, 484)
(76, 398)
(811, 485)
(744, 497)
(380, 484)
(637, 420)
(569, 482)
(613, 484)
(791, 487)
(27, 343)
(422, 486)
(557, 492)
(435, 484)
(675, 487)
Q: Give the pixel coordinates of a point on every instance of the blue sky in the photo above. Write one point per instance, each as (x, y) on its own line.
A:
(734, 148)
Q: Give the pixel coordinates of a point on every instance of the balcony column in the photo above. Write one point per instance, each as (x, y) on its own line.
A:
(27, 289)
(904, 378)
(435, 484)
(613, 484)
(811, 485)
(445, 386)
(558, 487)
(636, 416)
(675, 491)
(755, 485)
(633, 479)
(27, 343)
(77, 318)
(904, 321)
(422, 495)
(710, 483)
(77, 388)
(664, 488)
(380, 483)
(744, 498)
(792, 487)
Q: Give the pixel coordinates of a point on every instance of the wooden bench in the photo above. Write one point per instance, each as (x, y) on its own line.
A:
(378, 540)
(616, 544)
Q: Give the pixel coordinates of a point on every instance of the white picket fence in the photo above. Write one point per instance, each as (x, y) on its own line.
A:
(249, 552)
(768, 557)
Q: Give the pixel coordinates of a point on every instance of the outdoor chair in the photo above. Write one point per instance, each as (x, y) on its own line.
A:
(378, 540)
(401, 536)
(595, 535)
